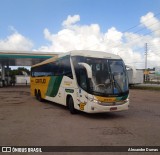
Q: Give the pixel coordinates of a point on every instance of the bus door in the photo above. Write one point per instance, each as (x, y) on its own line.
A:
(61, 98)
(83, 86)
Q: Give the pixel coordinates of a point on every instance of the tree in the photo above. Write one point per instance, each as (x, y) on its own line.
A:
(19, 71)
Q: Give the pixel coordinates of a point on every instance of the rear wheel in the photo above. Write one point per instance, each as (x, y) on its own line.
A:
(39, 97)
(71, 106)
(36, 94)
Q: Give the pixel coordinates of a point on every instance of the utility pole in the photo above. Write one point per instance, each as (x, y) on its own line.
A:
(146, 53)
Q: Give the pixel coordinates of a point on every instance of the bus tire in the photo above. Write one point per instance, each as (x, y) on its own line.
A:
(39, 96)
(36, 94)
(71, 106)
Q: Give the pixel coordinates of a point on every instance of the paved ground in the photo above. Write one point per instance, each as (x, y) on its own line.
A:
(148, 85)
(25, 121)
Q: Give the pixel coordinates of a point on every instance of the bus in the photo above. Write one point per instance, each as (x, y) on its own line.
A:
(88, 81)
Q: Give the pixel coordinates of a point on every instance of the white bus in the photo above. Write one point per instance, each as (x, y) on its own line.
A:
(89, 81)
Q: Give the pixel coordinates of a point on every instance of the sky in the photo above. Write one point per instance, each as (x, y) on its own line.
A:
(121, 27)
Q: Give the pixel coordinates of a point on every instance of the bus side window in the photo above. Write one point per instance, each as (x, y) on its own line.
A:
(54, 68)
(60, 67)
(32, 72)
(68, 70)
(67, 67)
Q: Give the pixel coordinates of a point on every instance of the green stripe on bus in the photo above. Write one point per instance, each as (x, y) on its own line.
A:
(54, 85)
(122, 98)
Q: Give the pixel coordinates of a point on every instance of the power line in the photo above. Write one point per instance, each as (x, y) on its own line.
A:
(135, 62)
(154, 51)
(142, 35)
(153, 54)
(141, 24)
(145, 27)
(130, 37)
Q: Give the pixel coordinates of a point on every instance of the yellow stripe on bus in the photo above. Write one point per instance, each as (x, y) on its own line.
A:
(105, 99)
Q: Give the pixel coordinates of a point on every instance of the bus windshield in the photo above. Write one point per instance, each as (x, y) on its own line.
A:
(109, 76)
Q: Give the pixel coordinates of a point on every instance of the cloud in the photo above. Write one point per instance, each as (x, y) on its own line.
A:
(151, 23)
(129, 45)
(16, 41)
(73, 36)
(71, 20)
(113, 35)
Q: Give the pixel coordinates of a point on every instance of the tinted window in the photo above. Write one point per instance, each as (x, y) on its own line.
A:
(60, 67)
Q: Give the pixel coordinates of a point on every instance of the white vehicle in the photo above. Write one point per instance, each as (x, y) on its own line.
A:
(135, 76)
(88, 81)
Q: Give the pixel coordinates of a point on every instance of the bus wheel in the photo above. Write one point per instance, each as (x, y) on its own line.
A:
(36, 94)
(71, 106)
(39, 96)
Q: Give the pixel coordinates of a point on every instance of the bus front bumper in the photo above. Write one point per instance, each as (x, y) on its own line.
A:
(97, 108)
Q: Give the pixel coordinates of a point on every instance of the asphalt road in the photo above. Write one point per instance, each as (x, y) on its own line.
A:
(24, 121)
(147, 85)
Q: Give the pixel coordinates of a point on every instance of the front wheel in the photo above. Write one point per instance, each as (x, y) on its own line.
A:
(71, 106)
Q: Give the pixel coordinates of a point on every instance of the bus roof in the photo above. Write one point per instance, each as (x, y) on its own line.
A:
(95, 54)
(85, 53)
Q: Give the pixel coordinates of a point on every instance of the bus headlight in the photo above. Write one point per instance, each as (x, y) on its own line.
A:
(94, 100)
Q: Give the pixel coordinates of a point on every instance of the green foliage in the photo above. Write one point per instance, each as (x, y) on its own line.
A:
(19, 71)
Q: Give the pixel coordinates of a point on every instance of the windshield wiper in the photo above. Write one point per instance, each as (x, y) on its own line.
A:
(116, 84)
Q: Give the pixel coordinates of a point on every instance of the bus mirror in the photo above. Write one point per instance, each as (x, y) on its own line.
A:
(88, 69)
